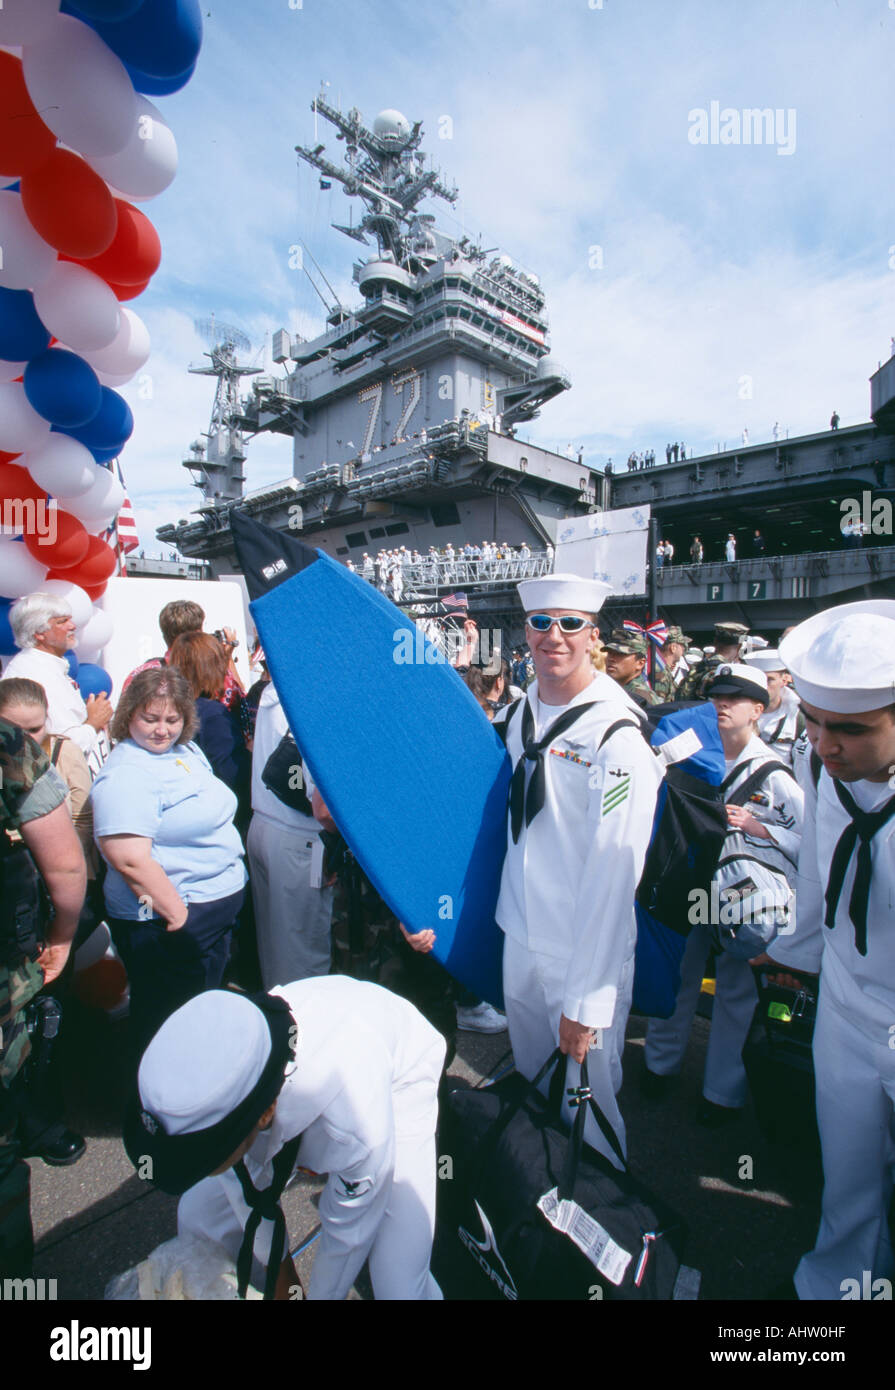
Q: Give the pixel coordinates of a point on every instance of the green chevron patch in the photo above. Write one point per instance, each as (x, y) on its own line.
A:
(616, 792)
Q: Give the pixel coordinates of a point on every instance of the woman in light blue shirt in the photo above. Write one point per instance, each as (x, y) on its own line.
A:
(164, 825)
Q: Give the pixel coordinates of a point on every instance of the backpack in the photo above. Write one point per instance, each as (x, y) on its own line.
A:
(689, 830)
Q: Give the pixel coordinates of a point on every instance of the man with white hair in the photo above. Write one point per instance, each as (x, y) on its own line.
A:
(842, 663)
(44, 630)
(582, 800)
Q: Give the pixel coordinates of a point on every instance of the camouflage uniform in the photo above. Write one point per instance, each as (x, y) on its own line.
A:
(29, 789)
(695, 683)
(664, 684)
(640, 690)
(633, 644)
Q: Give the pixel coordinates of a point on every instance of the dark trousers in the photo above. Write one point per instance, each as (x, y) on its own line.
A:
(166, 968)
(16, 1239)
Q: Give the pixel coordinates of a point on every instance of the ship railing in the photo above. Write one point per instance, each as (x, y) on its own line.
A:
(794, 563)
(457, 574)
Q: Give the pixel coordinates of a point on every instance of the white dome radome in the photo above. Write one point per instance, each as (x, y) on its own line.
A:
(391, 125)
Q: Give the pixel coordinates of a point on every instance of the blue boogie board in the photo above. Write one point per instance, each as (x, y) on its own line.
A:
(410, 768)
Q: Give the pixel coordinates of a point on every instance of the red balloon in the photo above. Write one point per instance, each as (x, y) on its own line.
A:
(123, 292)
(98, 564)
(25, 142)
(8, 458)
(95, 591)
(69, 546)
(17, 484)
(135, 252)
(69, 205)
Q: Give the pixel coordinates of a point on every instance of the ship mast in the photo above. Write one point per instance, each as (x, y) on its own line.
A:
(386, 169)
(217, 466)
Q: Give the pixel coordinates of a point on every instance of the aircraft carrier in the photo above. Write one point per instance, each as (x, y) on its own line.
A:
(404, 416)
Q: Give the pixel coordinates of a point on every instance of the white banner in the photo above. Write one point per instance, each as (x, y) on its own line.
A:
(606, 545)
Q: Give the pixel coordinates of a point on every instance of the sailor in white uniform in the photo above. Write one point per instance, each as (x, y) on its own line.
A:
(780, 725)
(218, 1081)
(764, 834)
(579, 823)
(843, 667)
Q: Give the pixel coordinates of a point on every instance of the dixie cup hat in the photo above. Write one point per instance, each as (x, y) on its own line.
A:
(843, 659)
(563, 591)
(208, 1075)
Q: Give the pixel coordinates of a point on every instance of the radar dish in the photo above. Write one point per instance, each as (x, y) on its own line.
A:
(220, 334)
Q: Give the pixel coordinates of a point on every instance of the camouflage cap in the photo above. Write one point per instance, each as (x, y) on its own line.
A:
(626, 643)
(730, 632)
(676, 635)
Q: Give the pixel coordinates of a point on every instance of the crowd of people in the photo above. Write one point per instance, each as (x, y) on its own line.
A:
(391, 570)
(186, 821)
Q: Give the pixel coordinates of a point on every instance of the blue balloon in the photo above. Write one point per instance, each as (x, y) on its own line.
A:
(73, 664)
(62, 387)
(93, 680)
(109, 429)
(89, 10)
(158, 86)
(161, 39)
(7, 641)
(22, 335)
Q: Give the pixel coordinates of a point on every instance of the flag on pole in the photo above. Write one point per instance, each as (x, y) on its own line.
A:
(121, 535)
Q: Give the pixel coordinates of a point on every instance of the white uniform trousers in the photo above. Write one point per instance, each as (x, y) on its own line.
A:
(856, 1117)
(533, 987)
(725, 1082)
(293, 921)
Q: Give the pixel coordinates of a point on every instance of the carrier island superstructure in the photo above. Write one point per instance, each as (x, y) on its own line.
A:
(403, 412)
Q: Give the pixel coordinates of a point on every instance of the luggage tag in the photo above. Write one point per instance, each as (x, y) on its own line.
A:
(316, 879)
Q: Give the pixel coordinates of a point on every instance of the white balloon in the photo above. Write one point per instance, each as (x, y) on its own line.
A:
(78, 307)
(77, 599)
(81, 88)
(10, 370)
(94, 635)
(20, 573)
(148, 162)
(100, 504)
(27, 259)
(21, 427)
(26, 21)
(62, 466)
(114, 379)
(128, 350)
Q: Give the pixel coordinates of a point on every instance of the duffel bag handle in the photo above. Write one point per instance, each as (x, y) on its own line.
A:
(582, 1097)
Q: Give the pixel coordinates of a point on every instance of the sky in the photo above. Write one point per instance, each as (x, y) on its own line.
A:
(693, 289)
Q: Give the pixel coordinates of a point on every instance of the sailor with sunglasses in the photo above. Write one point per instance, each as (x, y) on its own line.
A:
(579, 822)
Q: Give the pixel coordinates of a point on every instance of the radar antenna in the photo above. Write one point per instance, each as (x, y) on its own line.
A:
(217, 466)
(382, 167)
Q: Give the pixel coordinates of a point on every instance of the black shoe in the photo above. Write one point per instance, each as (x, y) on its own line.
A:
(59, 1148)
(652, 1085)
(712, 1116)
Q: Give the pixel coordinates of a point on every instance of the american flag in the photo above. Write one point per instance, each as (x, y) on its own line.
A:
(122, 534)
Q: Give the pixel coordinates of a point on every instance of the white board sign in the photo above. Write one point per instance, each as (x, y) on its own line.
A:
(610, 546)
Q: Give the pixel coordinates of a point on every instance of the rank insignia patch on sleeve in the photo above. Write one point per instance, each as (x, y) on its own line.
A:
(616, 789)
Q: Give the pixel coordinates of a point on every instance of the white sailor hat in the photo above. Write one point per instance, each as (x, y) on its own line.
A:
(206, 1078)
(563, 591)
(734, 678)
(843, 659)
(767, 660)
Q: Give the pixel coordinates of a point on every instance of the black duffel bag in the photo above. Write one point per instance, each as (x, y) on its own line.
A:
(527, 1210)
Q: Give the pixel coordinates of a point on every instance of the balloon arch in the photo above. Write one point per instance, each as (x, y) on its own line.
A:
(81, 144)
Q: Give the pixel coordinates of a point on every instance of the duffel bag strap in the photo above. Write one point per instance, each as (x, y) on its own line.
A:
(488, 1143)
(581, 1096)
